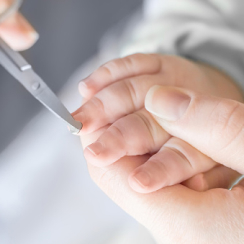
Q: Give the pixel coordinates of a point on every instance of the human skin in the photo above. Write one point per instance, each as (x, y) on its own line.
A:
(16, 30)
(125, 82)
(177, 214)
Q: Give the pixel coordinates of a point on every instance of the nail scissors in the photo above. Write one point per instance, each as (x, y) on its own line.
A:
(22, 71)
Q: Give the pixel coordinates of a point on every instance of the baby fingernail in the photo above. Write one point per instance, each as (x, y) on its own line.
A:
(142, 179)
(83, 89)
(25, 25)
(82, 85)
(96, 148)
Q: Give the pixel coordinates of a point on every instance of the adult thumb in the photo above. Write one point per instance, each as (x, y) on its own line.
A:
(213, 125)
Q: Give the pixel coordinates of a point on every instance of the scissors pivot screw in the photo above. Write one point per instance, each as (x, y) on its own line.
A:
(35, 86)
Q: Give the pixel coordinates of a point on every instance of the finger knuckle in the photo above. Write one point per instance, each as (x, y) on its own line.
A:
(198, 183)
(138, 55)
(135, 57)
(113, 66)
(97, 104)
(151, 130)
(181, 153)
(118, 131)
(194, 159)
(225, 123)
(131, 62)
(108, 69)
(142, 63)
(132, 91)
(162, 168)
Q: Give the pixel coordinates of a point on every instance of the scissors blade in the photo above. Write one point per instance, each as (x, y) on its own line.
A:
(18, 67)
(51, 102)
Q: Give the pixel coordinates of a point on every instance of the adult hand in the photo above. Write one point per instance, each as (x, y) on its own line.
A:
(16, 30)
(178, 214)
(133, 131)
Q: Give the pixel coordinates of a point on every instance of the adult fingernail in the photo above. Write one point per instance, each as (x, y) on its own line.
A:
(167, 103)
(96, 148)
(3, 6)
(26, 26)
(33, 35)
(142, 179)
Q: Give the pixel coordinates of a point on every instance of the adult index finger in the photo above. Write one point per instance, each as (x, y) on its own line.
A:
(16, 30)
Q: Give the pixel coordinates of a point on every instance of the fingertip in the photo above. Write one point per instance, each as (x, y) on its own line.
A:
(80, 116)
(91, 157)
(87, 87)
(28, 31)
(18, 32)
(140, 181)
(96, 148)
(83, 89)
(197, 183)
(34, 36)
(96, 154)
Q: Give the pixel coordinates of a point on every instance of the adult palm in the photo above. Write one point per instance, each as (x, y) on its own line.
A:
(178, 214)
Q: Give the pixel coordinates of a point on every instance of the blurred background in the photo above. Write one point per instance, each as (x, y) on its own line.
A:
(46, 194)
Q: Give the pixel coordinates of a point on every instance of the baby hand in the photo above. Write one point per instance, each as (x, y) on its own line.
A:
(116, 93)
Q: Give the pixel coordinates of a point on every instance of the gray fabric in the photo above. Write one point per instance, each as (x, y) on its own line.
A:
(208, 31)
